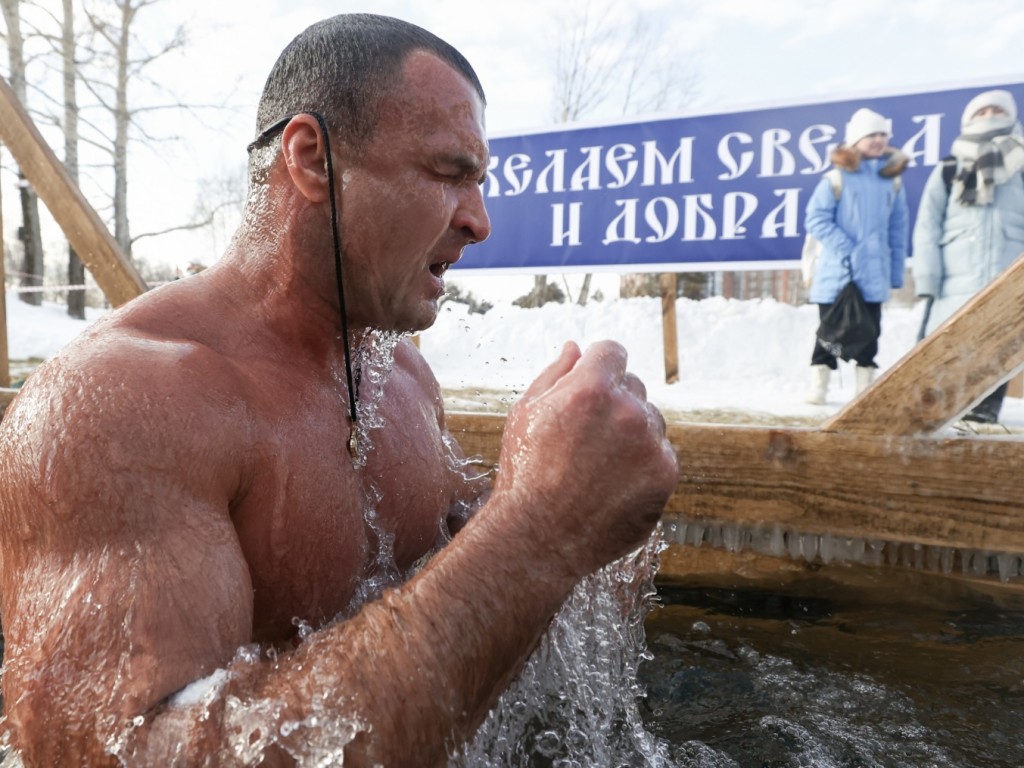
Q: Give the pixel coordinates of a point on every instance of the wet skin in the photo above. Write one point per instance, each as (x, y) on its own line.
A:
(176, 483)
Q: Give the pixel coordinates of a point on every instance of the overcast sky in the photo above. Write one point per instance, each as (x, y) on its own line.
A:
(744, 53)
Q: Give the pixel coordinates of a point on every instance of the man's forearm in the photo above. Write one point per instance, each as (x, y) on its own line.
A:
(424, 665)
(408, 679)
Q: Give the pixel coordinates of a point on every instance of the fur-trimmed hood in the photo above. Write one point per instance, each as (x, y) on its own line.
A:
(849, 159)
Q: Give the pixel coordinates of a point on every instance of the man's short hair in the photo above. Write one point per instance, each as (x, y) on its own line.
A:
(344, 67)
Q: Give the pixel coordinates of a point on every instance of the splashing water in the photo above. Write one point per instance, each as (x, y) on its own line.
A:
(374, 359)
(575, 702)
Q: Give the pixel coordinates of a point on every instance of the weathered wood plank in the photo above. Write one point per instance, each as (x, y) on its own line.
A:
(960, 493)
(942, 376)
(479, 434)
(668, 283)
(83, 228)
(5, 363)
(704, 567)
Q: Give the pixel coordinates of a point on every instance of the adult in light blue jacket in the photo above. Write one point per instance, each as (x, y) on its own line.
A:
(969, 232)
(864, 229)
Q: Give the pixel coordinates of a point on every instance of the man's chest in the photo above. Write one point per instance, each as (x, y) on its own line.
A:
(315, 522)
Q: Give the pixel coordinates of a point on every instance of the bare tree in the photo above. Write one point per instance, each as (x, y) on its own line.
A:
(607, 61)
(69, 70)
(128, 60)
(219, 196)
(30, 232)
(93, 85)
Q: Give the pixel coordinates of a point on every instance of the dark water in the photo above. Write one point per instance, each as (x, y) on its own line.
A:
(881, 669)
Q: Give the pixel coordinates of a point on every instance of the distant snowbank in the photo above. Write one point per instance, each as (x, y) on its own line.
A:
(750, 356)
(40, 332)
(746, 355)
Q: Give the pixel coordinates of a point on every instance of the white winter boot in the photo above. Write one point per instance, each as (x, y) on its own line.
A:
(864, 375)
(819, 384)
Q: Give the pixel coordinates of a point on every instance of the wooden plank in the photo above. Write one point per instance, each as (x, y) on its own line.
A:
(479, 434)
(951, 369)
(959, 493)
(668, 283)
(5, 358)
(704, 567)
(113, 272)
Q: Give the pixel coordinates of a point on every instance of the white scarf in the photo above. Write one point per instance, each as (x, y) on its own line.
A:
(991, 152)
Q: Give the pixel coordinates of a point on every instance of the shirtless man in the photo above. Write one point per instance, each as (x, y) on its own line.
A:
(176, 485)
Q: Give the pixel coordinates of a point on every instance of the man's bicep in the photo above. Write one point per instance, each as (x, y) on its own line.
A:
(123, 579)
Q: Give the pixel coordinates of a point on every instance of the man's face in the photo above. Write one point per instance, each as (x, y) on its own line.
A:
(412, 200)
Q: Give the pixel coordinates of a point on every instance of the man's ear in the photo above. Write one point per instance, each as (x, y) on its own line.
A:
(302, 145)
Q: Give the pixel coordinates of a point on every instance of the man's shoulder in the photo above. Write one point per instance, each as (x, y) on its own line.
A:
(119, 373)
(131, 352)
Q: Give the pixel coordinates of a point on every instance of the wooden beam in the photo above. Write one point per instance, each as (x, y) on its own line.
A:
(83, 228)
(963, 493)
(5, 358)
(704, 567)
(668, 283)
(968, 355)
(959, 493)
(479, 434)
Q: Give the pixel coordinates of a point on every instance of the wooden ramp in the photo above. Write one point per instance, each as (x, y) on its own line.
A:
(92, 241)
(875, 483)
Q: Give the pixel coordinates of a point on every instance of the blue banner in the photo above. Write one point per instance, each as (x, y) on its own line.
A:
(682, 194)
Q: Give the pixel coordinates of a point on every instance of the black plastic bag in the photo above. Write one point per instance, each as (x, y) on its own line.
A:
(848, 327)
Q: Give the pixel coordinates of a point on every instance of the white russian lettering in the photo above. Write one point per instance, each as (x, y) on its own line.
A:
(654, 161)
(622, 229)
(619, 155)
(928, 136)
(787, 211)
(773, 148)
(665, 226)
(517, 183)
(552, 177)
(696, 212)
(588, 174)
(560, 233)
(734, 168)
(810, 138)
(736, 209)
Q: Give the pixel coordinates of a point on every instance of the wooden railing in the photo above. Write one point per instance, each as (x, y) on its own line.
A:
(876, 470)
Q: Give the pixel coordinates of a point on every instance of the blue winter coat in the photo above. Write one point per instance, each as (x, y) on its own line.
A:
(866, 230)
(959, 249)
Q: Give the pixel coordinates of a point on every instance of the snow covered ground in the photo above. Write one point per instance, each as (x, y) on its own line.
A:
(746, 357)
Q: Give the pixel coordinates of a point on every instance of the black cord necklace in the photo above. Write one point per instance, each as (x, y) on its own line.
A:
(353, 385)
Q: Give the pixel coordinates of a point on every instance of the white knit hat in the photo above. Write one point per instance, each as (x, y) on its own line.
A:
(997, 98)
(865, 122)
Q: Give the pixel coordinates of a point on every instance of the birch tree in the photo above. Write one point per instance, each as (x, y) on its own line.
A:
(128, 60)
(69, 72)
(30, 231)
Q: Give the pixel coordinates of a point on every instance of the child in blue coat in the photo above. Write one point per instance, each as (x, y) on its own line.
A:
(863, 227)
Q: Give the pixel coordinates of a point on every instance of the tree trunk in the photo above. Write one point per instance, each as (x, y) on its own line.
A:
(540, 289)
(30, 235)
(122, 120)
(584, 291)
(76, 270)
